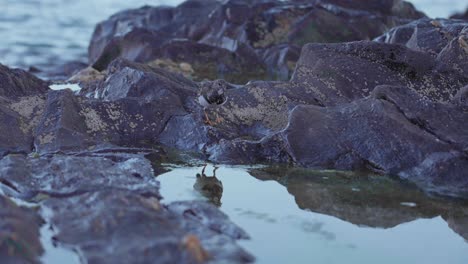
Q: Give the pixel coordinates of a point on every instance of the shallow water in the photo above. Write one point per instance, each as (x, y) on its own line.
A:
(53, 253)
(45, 33)
(344, 218)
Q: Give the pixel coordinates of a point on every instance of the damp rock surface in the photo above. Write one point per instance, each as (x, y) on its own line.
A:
(19, 233)
(238, 40)
(106, 206)
(338, 111)
(356, 86)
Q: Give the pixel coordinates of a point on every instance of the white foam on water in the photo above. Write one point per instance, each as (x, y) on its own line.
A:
(409, 204)
(72, 86)
(54, 254)
(17, 201)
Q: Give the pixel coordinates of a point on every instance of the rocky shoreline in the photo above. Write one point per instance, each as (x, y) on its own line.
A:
(319, 84)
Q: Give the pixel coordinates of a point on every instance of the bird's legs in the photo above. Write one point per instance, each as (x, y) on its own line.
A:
(207, 119)
(203, 170)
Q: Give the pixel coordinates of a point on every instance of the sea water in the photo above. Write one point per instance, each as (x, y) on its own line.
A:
(338, 227)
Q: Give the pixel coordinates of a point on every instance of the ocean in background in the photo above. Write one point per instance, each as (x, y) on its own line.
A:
(50, 32)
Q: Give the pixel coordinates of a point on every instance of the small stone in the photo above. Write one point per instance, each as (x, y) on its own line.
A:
(186, 67)
(193, 246)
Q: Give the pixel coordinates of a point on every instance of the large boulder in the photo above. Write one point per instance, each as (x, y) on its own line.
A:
(340, 73)
(22, 98)
(73, 123)
(237, 40)
(397, 8)
(122, 226)
(18, 119)
(361, 135)
(16, 83)
(338, 111)
(331, 75)
(131, 108)
(33, 179)
(444, 39)
(379, 85)
(130, 80)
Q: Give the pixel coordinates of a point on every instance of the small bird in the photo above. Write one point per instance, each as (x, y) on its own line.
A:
(212, 93)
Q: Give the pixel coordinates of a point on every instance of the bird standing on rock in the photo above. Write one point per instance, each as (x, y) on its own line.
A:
(212, 93)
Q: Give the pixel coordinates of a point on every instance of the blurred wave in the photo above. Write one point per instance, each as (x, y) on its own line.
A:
(48, 32)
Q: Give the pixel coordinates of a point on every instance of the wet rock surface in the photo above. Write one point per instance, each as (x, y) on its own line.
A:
(347, 136)
(238, 40)
(59, 176)
(138, 229)
(339, 110)
(395, 106)
(19, 233)
(22, 98)
(107, 207)
(344, 72)
(422, 97)
(16, 83)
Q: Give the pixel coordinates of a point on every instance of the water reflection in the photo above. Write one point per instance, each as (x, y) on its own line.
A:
(304, 216)
(365, 199)
(209, 186)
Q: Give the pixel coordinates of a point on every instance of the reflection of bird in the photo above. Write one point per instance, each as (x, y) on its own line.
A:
(212, 93)
(209, 186)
